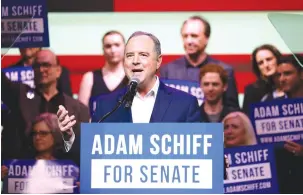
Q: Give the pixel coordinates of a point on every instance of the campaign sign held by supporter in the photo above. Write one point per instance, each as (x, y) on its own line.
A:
(278, 120)
(24, 24)
(151, 158)
(251, 170)
(190, 87)
(20, 74)
(41, 176)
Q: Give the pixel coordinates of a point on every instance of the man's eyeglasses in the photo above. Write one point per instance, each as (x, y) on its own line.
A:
(40, 133)
(44, 65)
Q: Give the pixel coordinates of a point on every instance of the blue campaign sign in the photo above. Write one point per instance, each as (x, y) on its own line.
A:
(252, 170)
(151, 158)
(41, 176)
(24, 24)
(278, 120)
(20, 74)
(190, 87)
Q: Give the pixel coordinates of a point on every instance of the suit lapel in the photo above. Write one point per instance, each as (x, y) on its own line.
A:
(162, 103)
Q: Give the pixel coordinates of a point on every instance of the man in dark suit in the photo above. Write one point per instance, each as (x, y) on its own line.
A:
(26, 103)
(154, 101)
(28, 56)
(195, 33)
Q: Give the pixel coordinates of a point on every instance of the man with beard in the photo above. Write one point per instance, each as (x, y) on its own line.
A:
(26, 103)
(195, 33)
(213, 84)
(290, 74)
(28, 56)
(289, 159)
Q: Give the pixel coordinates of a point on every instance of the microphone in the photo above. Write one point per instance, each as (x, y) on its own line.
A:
(132, 90)
(127, 98)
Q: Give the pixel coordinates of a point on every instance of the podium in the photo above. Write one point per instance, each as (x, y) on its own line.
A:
(151, 158)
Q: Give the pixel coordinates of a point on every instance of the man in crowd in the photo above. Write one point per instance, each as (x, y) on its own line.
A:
(195, 33)
(154, 101)
(290, 74)
(289, 161)
(27, 103)
(213, 84)
(28, 56)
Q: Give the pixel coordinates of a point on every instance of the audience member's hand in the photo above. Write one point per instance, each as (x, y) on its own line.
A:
(4, 171)
(293, 147)
(66, 122)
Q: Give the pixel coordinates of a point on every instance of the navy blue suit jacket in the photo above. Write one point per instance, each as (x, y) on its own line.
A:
(171, 105)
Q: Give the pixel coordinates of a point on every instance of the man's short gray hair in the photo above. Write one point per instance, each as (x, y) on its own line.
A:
(153, 37)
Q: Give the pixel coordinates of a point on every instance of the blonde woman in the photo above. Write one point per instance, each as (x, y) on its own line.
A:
(238, 130)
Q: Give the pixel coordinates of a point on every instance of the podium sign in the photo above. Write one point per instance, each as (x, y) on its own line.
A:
(151, 158)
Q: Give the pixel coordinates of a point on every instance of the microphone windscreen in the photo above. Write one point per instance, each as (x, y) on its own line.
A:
(135, 79)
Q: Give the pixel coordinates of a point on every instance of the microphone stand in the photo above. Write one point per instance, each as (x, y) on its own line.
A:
(120, 102)
(128, 98)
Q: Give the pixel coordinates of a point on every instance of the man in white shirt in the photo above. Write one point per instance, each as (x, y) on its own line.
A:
(154, 101)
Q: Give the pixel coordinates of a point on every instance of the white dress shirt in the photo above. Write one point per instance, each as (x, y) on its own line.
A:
(69, 143)
(142, 107)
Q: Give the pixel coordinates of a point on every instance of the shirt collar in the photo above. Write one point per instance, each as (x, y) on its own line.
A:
(206, 61)
(154, 91)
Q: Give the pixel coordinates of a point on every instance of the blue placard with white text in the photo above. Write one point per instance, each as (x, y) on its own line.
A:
(151, 158)
(24, 24)
(252, 170)
(41, 176)
(190, 87)
(278, 120)
(20, 74)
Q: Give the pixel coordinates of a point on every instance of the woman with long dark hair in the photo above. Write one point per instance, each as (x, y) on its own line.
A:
(265, 60)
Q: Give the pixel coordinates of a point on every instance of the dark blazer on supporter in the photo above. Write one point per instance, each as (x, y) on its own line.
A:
(171, 105)
(25, 104)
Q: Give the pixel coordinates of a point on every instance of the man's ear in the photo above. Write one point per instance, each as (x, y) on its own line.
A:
(225, 87)
(58, 71)
(159, 61)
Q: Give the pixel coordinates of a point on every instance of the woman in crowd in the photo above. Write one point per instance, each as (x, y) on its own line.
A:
(238, 130)
(45, 138)
(46, 141)
(264, 63)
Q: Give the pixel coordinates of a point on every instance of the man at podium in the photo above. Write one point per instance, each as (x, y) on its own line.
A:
(146, 99)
